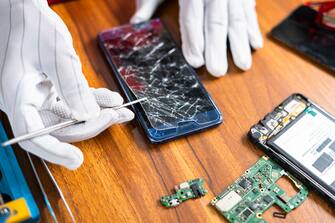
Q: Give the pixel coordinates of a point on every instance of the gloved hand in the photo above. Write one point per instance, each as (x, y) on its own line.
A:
(205, 26)
(41, 83)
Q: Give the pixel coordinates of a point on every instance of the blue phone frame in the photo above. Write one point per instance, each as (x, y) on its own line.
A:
(160, 136)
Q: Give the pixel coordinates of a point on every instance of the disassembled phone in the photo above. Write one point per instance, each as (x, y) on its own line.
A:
(256, 191)
(301, 137)
(184, 191)
(147, 63)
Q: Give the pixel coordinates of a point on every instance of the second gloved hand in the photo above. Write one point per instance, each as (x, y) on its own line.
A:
(205, 27)
(41, 83)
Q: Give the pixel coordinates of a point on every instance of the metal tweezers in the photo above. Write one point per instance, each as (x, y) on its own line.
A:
(65, 124)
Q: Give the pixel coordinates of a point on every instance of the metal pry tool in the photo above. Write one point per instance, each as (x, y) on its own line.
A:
(60, 192)
(58, 126)
(44, 194)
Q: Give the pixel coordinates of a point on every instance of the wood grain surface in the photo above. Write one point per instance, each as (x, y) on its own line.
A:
(124, 176)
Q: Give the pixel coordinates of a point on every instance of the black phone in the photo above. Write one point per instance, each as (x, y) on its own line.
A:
(300, 32)
(300, 135)
(147, 63)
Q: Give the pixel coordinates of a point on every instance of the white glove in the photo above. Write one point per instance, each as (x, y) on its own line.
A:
(205, 26)
(42, 83)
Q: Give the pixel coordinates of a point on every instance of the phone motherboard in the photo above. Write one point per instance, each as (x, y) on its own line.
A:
(256, 191)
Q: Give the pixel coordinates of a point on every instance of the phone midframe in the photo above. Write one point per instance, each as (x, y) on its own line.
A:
(277, 153)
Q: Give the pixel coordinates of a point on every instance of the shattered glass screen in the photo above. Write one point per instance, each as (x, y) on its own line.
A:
(152, 67)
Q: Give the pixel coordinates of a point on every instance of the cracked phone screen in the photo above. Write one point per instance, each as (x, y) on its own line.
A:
(152, 66)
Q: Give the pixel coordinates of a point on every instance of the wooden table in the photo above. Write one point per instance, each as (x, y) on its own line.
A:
(124, 176)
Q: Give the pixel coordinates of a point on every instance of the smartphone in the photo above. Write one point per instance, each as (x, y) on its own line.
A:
(300, 135)
(300, 32)
(147, 63)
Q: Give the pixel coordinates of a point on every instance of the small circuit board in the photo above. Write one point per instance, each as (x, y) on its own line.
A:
(184, 191)
(256, 191)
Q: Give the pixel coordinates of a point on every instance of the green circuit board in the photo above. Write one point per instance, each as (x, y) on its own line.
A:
(184, 191)
(256, 191)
